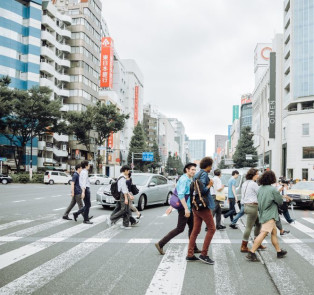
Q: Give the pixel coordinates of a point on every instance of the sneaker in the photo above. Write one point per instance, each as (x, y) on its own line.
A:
(285, 232)
(135, 223)
(291, 221)
(160, 250)
(282, 253)
(234, 226)
(193, 258)
(139, 217)
(220, 227)
(206, 259)
(252, 257)
(125, 227)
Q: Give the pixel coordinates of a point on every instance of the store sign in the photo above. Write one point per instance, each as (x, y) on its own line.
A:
(106, 62)
(246, 99)
(136, 105)
(272, 96)
(110, 140)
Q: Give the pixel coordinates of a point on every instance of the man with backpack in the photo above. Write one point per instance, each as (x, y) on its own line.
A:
(202, 203)
(185, 217)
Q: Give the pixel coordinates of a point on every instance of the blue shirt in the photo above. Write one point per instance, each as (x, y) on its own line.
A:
(76, 180)
(183, 188)
(203, 177)
(232, 182)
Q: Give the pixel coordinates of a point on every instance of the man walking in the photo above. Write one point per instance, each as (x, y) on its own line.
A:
(85, 186)
(184, 215)
(202, 215)
(76, 192)
(232, 196)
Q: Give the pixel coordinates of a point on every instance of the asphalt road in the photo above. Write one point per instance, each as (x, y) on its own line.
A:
(42, 254)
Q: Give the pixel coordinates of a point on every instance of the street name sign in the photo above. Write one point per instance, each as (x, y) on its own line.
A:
(147, 157)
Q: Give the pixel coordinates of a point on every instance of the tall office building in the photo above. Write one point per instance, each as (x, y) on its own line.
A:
(246, 111)
(179, 136)
(298, 88)
(197, 149)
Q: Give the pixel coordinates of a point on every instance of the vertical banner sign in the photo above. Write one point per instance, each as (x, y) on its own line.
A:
(272, 95)
(106, 62)
(235, 113)
(136, 106)
(110, 140)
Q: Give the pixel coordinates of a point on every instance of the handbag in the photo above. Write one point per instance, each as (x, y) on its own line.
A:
(220, 196)
(175, 201)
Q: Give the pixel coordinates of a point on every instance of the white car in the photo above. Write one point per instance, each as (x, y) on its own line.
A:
(52, 177)
(99, 179)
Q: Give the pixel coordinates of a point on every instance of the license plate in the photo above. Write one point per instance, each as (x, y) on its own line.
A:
(109, 200)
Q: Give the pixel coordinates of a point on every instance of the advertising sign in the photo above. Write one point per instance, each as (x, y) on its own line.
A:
(246, 98)
(136, 105)
(272, 95)
(106, 62)
(235, 113)
(110, 140)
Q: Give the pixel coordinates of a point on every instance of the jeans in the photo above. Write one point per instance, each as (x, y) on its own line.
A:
(217, 212)
(231, 209)
(285, 212)
(251, 212)
(87, 204)
(182, 222)
(199, 216)
(239, 215)
(74, 200)
(118, 208)
(123, 212)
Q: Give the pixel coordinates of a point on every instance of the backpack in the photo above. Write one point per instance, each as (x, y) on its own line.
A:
(114, 189)
(198, 201)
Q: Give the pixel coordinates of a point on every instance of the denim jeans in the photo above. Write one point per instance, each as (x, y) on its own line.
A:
(286, 213)
(239, 215)
(87, 204)
(231, 209)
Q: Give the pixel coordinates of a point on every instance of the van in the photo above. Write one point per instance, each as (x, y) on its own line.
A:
(226, 174)
(52, 177)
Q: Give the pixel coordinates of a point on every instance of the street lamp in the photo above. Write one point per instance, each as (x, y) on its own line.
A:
(264, 141)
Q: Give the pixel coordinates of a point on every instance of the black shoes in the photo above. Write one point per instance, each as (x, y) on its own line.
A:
(87, 222)
(67, 218)
(193, 258)
(75, 215)
(160, 250)
(135, 223)
(220, 227)
(252, 257)
(90, 217)
(139, 217)
(206, 260)
(282, 253)
(285, 232)
(234, 226)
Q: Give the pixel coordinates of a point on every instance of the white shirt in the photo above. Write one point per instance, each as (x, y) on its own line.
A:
(84, 180)
(217, 185)
(122, 187)
(249, 192)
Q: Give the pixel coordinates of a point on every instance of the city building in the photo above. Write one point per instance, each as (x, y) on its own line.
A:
(20, 36)
(54, 73)
(246, 111)
(298, 90)
(197, 149)
(220, 145)
(235, 136)
(179, 136)
(150, 124)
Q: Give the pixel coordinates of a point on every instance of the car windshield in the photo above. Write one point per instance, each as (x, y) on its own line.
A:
(92, 175)
(225, 178)
(140, 180)
(304, 185)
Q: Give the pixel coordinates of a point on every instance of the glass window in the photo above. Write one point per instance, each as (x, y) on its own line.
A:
(305, 174)
(162, 180)
(306, 129)
(308, 152)
(55, 173)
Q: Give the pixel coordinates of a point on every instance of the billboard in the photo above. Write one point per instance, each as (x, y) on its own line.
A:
(110, 140)
(246, 98)
(106, 62)
(136, 105)
(272, 96)
(235, 113)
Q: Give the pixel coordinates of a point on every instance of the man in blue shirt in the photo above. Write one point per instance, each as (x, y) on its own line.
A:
(232, 195)
(185, 217)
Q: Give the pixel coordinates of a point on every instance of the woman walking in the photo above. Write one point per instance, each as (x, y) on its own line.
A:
(250, 203)
(268, 201)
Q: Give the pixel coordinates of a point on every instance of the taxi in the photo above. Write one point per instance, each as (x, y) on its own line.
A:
(303, 194)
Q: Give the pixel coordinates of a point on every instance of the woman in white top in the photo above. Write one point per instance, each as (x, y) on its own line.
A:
(249, 199)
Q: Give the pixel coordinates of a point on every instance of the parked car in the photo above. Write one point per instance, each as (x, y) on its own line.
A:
(302, 194)
(153, 189)
(99, 179)
(4, 179)
(52, 177)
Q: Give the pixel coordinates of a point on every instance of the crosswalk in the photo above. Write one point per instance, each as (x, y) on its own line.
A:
(168, 273)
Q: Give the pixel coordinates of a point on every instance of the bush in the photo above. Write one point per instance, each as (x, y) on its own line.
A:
(38, 178)
(22, 178)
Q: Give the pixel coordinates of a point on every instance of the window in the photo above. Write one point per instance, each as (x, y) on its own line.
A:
(308, 152)
(54, 173)
(305, 174)
(162, 180)
(306, 129)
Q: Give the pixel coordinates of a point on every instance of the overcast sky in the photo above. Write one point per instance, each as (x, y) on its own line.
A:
(196, 55)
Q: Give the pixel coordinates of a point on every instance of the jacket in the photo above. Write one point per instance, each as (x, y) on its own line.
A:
(203, 177)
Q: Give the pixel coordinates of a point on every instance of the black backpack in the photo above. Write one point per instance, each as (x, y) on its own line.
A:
(114, 189)
(198, 201)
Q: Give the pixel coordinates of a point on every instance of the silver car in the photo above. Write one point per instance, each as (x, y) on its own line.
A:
(153, 189)
(99, 179)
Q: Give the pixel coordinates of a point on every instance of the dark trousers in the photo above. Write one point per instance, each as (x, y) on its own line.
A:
(285, 212)
(87, 204)
(182, 222)
(123, 212)
(217, 212)
(74, 200)
(231, 211)
(118, 208)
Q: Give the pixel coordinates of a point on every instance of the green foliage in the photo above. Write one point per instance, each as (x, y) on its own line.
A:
(22, 178)
(156, 163)
(174, 165)
(245, 147)
(38, 178)
(222, 164)
(137, 145)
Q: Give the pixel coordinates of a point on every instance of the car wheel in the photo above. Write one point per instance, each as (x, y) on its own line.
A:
(4, 181)
(141, 203)
(97, 182)
(69, 182)
(168, 199)
(51, 182)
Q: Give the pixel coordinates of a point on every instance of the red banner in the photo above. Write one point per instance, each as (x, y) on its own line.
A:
(110, 140)
(136, 106)
(106, 62)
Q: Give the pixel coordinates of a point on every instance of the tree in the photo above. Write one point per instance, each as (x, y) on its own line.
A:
(137, 145)
(31, 113)
(222, 164)
(156, 163)
(245, 147)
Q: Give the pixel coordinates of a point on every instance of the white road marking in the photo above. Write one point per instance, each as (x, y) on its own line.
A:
(93, 201)
(140, 241)
(16, 255)
(309, 219)
(42, 275)
(30, 231)
(14, 223)
(169, 276)
(19, 201)
(39, 198)
(58, 209)
(303, 228)
(97, 206)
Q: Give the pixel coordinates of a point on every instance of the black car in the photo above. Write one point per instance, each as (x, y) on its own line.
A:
(4, 179)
